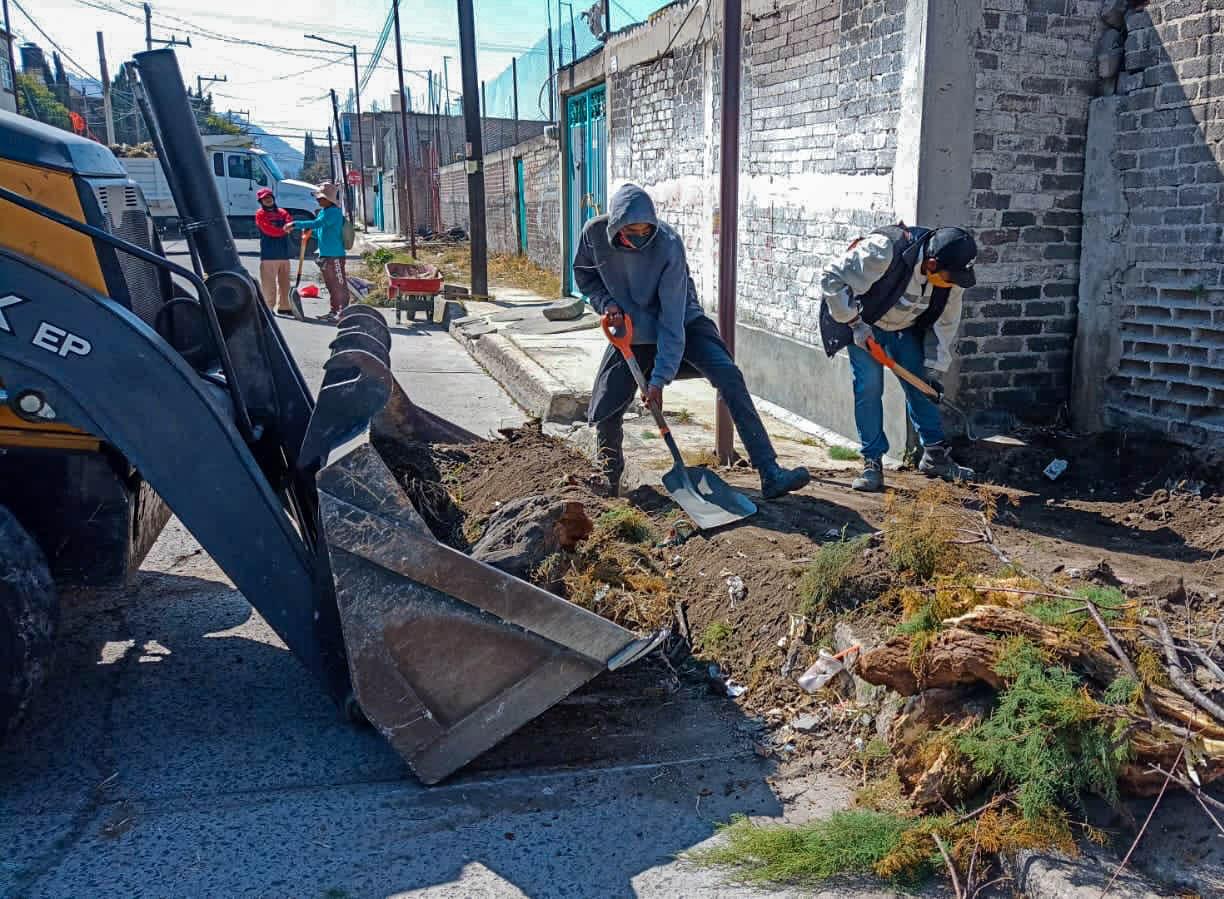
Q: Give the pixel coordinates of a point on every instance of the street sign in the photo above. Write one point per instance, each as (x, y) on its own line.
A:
(354, 177)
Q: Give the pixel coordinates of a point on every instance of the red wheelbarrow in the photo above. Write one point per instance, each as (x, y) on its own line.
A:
(414, 287)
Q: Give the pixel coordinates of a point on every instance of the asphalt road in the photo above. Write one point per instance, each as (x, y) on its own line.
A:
(181, 751)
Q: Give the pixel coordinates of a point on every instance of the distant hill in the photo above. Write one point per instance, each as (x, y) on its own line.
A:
(289, 159)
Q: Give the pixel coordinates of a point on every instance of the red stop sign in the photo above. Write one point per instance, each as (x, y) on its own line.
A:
(354, 177)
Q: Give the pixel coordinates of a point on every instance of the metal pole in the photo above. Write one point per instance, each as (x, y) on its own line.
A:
(148, 11)
(399, 68)
(446, 107)
(573, 38)
(8, 39)
(106, 91)
(552, 71)
(607, 19)
(331, 155)
(475, 148)
(340, 146)
(514, 78)
(360, 155)
(729, 158)
(560, 42)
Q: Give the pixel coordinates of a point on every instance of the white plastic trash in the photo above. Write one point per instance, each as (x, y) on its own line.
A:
(826, 667)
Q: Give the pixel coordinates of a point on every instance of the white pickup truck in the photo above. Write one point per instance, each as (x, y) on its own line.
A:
(240, 171)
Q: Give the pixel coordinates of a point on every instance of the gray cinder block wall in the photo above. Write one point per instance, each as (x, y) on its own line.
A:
(542, 195)
(1150, 349)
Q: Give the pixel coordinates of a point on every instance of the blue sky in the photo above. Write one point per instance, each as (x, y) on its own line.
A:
(286, 91)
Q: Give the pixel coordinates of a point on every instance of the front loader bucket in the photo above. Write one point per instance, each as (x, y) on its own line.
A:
(447, 655)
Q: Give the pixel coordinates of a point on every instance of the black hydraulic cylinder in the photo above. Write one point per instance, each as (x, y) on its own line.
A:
(200, 205)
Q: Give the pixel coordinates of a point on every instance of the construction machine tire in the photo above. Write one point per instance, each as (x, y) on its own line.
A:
(29, 617)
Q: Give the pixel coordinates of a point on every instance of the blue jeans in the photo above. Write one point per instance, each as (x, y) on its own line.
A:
(705, 352)
(906, 349)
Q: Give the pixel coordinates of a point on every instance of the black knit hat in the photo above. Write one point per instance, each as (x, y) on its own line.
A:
(954, 250)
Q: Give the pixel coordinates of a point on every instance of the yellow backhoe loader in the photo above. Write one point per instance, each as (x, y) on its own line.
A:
(132, 388)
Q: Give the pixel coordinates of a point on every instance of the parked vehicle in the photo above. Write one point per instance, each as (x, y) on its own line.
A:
(240, 170)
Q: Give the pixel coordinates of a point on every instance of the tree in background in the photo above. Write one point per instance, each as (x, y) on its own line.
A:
(36, 101)
(309, 153)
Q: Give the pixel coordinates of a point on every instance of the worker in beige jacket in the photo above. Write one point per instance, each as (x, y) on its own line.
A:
(894, 286)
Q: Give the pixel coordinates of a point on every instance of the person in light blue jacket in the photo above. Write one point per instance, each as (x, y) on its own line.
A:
(328, 228)
(629, 263)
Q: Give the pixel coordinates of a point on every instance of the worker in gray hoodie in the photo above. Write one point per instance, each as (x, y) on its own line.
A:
(629, 263)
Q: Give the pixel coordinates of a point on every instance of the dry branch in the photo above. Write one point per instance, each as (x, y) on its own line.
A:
(1178, 675)
(1100, 666)
(1124, 659)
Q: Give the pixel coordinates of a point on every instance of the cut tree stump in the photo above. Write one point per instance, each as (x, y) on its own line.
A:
(523, 533)
(955, 658)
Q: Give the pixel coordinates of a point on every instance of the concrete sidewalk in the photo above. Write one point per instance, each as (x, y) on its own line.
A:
(548, 368)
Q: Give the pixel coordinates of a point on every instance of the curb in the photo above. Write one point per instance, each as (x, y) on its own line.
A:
(528, 383)
(1043, 875)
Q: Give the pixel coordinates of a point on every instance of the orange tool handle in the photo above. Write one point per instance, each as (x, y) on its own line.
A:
(878, 354)
(622, 341)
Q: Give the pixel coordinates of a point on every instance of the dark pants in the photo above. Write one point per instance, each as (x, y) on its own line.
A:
(705, 352)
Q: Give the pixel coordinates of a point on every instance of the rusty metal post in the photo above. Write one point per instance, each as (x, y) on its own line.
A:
(728, 204)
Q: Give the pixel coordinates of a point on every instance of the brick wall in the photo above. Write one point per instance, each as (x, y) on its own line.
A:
(542, 194)
(1035, 77)
(1170, 142)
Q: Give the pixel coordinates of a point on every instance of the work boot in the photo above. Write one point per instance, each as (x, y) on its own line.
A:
(609, 468)
(777, 481)
(872, 478)
(937, 462)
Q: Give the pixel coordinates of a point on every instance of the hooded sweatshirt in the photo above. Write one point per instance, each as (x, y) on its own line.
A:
(273, 238)
(651, 284)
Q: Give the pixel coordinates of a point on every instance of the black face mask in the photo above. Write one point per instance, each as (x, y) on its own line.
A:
(639, 241)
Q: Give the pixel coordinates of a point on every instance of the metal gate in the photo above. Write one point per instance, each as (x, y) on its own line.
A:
(586, 154)
(521, 194)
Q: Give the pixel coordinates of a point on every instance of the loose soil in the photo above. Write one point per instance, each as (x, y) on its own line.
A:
(1145, 509)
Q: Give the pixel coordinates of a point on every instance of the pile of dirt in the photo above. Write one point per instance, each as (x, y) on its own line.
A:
(1116, 465)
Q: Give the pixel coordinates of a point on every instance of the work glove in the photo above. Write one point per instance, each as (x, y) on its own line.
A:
(862, 333)
(938, 388)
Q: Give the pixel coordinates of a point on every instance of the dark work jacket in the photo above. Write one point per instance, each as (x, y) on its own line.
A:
(908, 250)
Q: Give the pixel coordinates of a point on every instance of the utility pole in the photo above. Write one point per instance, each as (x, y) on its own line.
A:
(150, 40)
(8, 38)
(331, 155)
(446, 101)
(340, 146)
(573, 35)
(360, 154)
(106, 89)
(407, 162)
(729, 160)
(211, 79)
(474, 148)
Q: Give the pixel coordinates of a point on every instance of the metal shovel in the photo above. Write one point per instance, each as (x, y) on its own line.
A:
(295, 294)
(980, 426)
(705, 497)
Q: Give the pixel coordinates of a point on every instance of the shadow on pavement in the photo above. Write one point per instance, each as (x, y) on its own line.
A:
(180, 750)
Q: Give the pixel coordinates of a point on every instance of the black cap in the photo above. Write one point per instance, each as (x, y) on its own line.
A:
(954, 250)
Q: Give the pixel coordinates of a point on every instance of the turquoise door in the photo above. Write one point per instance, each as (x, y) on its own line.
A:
(586, 157)
(520, 193)
(378, 206)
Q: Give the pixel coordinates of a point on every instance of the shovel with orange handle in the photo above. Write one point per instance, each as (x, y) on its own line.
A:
(994, 421)
(705, 497)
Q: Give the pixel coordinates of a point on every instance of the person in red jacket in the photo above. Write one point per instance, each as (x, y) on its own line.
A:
(275, 251)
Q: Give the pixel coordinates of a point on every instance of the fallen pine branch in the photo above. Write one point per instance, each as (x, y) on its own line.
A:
(1124, 659)
(943, 850)
(1178, 675)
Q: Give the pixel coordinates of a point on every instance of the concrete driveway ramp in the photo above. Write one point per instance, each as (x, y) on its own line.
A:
(447, 655)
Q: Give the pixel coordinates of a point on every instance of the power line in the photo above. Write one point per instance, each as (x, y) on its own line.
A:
(62, 52)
